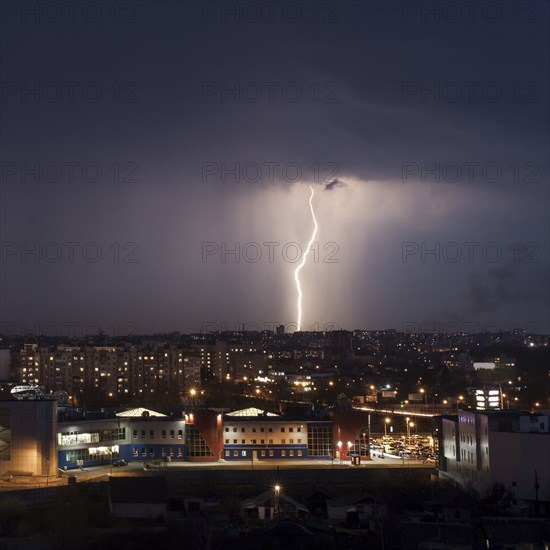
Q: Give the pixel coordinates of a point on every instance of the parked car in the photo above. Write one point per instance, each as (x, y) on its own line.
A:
(120, 462)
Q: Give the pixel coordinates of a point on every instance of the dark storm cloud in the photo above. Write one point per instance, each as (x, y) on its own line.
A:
(334, 183)
(502, 286)
(206, 130)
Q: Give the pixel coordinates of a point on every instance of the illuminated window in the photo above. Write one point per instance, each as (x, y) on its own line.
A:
(319, 440)
(196, 444)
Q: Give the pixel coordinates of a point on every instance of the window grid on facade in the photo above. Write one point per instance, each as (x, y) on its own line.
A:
(319, 440)
(196, 445)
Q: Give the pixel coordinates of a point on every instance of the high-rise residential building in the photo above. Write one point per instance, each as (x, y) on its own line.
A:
(114, 370)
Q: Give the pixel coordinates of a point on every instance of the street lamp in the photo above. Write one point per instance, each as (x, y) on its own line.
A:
(339, 445)
(504, 400)
(386, 422)
(277, 493)
(423, 392)
(409, 426)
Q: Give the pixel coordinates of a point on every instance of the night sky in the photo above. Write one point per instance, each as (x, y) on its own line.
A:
(422, 127)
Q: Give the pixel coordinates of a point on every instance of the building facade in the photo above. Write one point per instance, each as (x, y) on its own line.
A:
(479, 449)
(83, 443)
(248, 438)
(34, 440)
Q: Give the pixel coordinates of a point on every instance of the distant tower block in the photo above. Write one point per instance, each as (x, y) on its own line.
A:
(4, 365)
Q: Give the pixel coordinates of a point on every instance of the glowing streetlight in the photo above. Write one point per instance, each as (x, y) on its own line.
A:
(425, 394)
(409, 426)
(386, 422)
(277, 495)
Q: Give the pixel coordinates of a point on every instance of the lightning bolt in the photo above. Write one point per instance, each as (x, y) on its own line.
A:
(303, 262)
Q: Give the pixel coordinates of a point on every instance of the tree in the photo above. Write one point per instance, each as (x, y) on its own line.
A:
(498, 500)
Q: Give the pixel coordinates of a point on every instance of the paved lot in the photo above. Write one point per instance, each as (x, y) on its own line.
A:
(101, 473)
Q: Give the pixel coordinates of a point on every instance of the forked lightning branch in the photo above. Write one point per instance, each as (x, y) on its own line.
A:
(304, 259)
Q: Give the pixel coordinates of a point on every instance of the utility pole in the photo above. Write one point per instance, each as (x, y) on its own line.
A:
(537, 487)
(368, 438)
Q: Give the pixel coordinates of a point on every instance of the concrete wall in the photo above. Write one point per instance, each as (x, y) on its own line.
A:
(131, 510)
(31, 438)
(515, 457)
